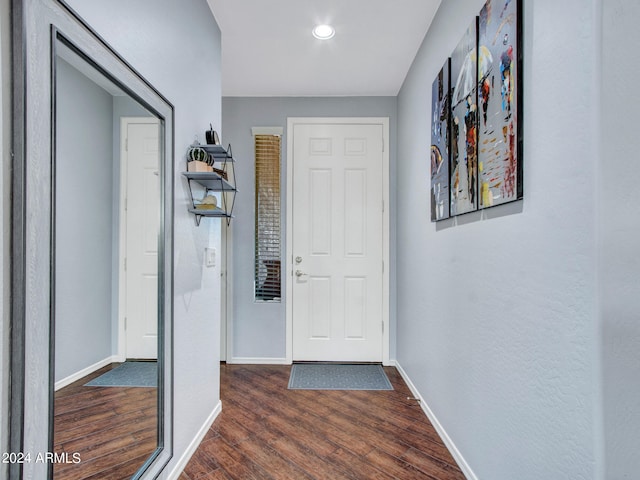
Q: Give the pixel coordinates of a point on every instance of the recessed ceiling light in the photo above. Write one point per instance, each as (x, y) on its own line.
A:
(323, 32)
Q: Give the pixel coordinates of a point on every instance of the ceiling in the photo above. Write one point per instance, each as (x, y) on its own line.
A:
(268, 48)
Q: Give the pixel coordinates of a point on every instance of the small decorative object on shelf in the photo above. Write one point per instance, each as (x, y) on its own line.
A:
(198, 166)
(199, 160)
(212, 136)
(203, 177)
(197, 154)
(209, 202)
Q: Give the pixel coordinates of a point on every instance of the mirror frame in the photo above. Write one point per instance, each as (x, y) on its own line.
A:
(37, 26)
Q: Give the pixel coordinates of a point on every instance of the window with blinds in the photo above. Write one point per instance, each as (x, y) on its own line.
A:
(267, 221)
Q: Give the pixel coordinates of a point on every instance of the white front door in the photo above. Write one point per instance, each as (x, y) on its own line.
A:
(142, 211)
(337, 250)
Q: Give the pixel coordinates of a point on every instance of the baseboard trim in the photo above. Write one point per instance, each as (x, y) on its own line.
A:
(195, 443)
(258, 361)
(85, 371)
(462, 463)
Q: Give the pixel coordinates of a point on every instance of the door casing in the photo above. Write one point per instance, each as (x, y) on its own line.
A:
(288, 261)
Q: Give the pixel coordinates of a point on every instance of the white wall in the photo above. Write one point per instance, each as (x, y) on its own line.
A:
(259, 328)
(619, 235)
(497, 322)
(176, 46)
(83, 217)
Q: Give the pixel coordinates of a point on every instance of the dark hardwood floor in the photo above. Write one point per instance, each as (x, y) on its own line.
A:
(113, 429)
(266, 431)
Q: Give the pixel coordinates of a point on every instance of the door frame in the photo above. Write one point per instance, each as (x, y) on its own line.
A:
(121, 355)
(288, 260)
(226, 292)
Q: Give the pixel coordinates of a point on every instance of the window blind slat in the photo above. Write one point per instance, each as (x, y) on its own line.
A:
(267, 279)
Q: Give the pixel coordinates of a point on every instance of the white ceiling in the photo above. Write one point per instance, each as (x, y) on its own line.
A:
(268, 48)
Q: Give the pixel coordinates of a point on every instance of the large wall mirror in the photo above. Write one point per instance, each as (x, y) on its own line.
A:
(92, 299)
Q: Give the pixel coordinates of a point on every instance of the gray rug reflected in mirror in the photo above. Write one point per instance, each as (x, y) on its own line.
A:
(129, 374)
(321, 376)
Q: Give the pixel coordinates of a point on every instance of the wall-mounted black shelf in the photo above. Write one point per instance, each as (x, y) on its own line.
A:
(218, 152)
(222, 179)
(210, 212)
(211, 181)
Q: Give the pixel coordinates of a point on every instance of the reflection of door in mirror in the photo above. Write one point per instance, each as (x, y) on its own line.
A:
(107, 207)
(141, 214)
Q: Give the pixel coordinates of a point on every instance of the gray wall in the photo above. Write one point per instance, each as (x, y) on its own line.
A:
(5, 219)
(496, 313)
(619, 237)
(88, 255)
(259, 328)
(84, 227)
(89, 148)
(176, 46)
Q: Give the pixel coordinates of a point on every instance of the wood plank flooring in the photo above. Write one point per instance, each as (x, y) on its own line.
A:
(266, 431)
(112, 428)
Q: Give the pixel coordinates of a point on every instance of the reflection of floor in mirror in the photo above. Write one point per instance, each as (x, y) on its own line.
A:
(112, 429)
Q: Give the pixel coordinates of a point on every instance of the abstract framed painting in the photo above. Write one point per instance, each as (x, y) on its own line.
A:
(464, 122)
(500, 98)
(440, 141)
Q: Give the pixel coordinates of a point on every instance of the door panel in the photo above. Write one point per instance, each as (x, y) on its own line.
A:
(355, 210)
(355, 315)
(319, 312)
(320, 189)
(337, 234)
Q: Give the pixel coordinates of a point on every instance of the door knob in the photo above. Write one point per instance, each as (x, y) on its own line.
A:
(300, 273)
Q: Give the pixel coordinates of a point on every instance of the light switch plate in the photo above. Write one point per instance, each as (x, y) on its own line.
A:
(210, 256)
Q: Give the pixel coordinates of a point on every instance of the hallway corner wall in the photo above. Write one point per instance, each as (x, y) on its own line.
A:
(619, 237)
(497, 310)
